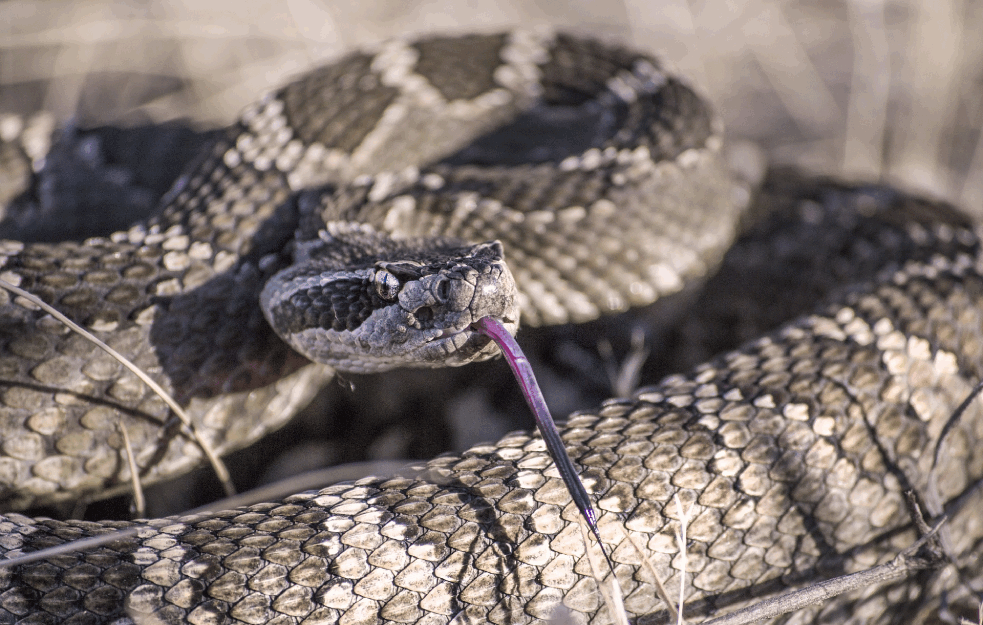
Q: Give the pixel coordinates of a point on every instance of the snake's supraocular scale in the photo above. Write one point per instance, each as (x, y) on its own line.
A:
(601, 181)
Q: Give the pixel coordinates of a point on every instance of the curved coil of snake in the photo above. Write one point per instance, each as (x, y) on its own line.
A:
(608, 189)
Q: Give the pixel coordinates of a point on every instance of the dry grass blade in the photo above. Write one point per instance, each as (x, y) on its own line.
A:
(139, 503)
(309, 480)
(660, 588)
(866, 119)
(791, 74)
(683, 554)
(217, 465)
(613, 596)
(75, 546)
(934, 64)
(972, 191)
(625, 376)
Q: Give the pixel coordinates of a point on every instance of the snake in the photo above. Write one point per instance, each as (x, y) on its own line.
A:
(363, 217)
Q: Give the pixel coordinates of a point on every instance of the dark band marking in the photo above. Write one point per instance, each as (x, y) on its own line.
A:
(461, 68)
(357, 100)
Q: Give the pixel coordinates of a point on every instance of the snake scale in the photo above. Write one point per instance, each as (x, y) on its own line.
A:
(608, 189)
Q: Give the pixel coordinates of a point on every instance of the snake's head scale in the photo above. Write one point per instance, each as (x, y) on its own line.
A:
(364, 305)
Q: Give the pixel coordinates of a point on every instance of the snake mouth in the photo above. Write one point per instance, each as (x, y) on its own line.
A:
(454, 339)
(446, 334)
(460, 346)
(470, 330)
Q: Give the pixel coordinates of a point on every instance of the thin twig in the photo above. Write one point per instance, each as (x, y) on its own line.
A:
(953, 420)
(217, 465)
(899, 568)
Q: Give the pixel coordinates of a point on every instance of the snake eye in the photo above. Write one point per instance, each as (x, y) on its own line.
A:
(386, 285)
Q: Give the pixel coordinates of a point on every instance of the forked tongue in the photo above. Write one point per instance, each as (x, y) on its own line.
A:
(496, 331)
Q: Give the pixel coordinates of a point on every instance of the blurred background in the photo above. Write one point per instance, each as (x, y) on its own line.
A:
(870, 88)
(874, 90)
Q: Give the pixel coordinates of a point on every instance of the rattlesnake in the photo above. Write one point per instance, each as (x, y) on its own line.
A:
(795, 449)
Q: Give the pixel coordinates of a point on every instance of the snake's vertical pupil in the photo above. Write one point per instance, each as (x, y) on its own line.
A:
(386, 285)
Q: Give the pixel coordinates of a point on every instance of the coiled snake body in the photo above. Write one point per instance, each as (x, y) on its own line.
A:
(607, 188)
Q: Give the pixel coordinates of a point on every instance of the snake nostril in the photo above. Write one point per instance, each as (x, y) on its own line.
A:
(424, 314)
(443, 290)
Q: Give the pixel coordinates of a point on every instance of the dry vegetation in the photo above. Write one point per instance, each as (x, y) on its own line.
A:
(870, 89)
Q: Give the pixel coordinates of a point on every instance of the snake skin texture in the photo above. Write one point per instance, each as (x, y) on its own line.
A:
(794, 450)
(179, 294)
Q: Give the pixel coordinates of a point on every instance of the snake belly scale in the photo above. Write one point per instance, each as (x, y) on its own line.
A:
(607, 189)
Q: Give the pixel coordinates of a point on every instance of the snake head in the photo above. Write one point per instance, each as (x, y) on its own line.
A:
(363, 302)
